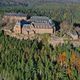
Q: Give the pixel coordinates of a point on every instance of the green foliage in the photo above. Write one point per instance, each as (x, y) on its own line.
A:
(56, 11)
(30, 60)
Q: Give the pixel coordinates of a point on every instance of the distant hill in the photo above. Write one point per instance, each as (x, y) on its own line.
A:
(32, 2)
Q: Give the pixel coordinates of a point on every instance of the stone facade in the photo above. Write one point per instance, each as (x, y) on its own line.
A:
(36, 31)
(17, 28)
(34, 25)
(30, 29)
(41, 31)
(13, 17)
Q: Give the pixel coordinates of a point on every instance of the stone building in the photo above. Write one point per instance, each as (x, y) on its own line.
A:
(78, 31)
(77, 28)
(14, 17)
(36, 24)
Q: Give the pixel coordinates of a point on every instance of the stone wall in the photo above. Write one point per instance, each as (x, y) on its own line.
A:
(13, 18)
(17, 29)
(36, 30)
(41, 31)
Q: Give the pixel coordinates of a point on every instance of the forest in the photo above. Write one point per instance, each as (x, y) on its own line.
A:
(56, 11)
(37, 60)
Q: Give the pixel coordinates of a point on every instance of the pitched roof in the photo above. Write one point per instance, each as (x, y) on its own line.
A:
(40, 19)
(16, 14)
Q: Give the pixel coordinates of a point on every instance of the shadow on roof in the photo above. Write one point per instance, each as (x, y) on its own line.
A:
(24, 22)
